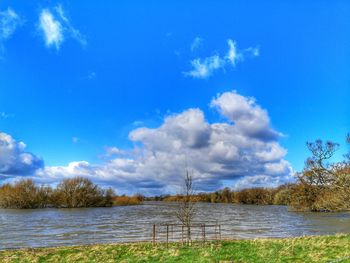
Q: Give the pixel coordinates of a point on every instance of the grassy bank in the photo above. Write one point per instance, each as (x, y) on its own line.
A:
(303, 249)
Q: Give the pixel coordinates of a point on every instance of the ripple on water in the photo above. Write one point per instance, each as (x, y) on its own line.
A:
(57, 227)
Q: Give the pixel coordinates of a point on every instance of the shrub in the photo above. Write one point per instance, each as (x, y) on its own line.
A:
(126, 200)
(256, 196)
(24, 194)
(74, 192)
(80, 192)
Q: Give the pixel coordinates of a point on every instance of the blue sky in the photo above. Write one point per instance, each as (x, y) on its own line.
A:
(71, 92)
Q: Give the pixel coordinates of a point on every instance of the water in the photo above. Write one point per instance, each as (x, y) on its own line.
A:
(58, 227)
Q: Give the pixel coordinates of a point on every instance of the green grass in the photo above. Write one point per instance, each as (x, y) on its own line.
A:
(303, 249)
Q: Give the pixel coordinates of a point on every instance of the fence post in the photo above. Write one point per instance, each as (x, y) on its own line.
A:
(154, 234)
(220, 232)
(182, 234)
(204, 232)
(167, 234)
(172, 232)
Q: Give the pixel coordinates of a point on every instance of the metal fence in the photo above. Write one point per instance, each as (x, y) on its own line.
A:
(199, 232)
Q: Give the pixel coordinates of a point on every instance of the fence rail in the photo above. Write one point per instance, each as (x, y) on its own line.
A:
(185, 233)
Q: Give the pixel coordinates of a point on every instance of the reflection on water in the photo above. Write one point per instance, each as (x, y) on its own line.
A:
(55, 227)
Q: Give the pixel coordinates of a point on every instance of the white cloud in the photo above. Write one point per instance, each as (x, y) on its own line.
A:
(205, 67)
(9, 22)
(196, 43)
(113, 151)
(51, 28)
(233, 55)
(74, 33)
(14, 160)
(248, 117)
(55, 27)
(244, 150)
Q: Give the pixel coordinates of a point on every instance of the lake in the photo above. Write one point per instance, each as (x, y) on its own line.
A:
(58, 227)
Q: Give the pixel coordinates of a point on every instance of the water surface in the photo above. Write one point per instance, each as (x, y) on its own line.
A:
(57, 227)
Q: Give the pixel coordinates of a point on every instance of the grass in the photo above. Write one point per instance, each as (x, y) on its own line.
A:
(303, 249)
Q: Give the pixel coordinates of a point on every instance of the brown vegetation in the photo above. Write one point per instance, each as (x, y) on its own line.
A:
(24, 194)
(127, 200)
(70, 193)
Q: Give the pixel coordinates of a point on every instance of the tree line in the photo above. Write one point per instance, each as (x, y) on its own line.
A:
(251, 196)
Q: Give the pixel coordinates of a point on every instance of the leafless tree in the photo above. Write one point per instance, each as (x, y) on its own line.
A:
(186, 210)
(81, 192)
(347, 155)
(317, 169)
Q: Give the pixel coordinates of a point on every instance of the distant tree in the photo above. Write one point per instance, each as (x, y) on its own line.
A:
(226, 196)
(80, 192)
(347, 155)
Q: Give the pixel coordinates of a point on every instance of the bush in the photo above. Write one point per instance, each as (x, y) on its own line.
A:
(127, 200)
(70, 193)
(255, 196)
(80, 192)
(24, 194)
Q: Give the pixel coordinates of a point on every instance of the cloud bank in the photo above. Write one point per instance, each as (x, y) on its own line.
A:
(242, 150)
(205, 67)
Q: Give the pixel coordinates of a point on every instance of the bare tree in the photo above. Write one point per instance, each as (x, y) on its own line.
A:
(347, 155)
(186, 210)
(317, 170)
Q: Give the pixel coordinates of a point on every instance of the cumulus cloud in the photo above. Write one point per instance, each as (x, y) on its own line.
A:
(9, 22)
(248, 117)
(56, 27)
(15, 160)
(205, 67)
(114, 151)
(243, 149)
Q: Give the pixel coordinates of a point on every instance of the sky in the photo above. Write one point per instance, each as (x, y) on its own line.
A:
(133, 93)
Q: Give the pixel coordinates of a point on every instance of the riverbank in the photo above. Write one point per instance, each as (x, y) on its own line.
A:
(302, 249)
